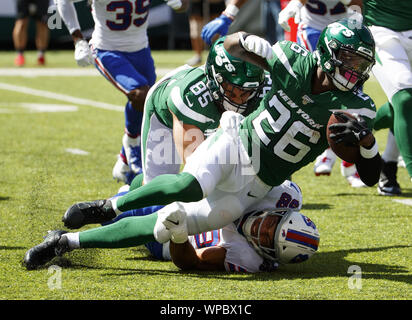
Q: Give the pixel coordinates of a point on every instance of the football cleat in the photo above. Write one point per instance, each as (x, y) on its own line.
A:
(19, 61)
(350, 172)
(132, 152)
(324, 163)
(41, 60)
(387, 185)
(83, 213)
(53, 245)
(122, 172)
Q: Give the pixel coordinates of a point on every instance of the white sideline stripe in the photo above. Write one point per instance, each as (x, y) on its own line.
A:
(77, 151)
(61, 97)
(408, 202)
(60, 72)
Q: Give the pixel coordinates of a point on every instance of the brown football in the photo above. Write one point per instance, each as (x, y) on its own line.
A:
(348, 153)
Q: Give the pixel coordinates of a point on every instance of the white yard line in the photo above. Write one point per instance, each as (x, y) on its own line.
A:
(407, 202)
(61, 97)
(59, 72)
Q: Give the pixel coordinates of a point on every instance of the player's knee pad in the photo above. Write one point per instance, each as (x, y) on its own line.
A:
(137, 97)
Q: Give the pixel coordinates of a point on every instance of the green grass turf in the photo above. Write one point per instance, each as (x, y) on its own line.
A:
(39, 180)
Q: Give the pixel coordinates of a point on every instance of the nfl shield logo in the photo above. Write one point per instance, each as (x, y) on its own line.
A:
(306, 100)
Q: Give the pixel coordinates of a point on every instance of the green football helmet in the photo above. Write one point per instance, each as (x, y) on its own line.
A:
(235, 84)
(346, 52)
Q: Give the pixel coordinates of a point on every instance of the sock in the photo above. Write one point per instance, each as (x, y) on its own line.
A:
(384, 117)
(40, 53)
(137, 182)
(133, 120)
(391, 152)
(127, 232)
(402, 105)
(162, 190)
(72, 240)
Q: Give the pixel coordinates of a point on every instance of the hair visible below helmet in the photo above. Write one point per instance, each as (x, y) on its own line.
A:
(340, 41)
(221, 67)
(296, 237)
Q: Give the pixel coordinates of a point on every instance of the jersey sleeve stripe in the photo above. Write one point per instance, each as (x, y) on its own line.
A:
(283, 58)
(184, 109)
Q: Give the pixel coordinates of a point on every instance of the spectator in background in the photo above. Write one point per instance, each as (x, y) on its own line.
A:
(36, 9)
(199, 14)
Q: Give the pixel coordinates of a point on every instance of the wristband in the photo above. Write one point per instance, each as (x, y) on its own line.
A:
(369, 153)
(231, 11)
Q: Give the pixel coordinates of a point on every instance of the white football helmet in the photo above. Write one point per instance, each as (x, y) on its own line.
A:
(294, 236)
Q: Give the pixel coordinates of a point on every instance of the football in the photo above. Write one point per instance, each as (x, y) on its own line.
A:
(348, 153)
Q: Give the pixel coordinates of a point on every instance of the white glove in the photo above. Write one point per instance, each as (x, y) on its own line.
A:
(82, 53)
(174, 4)
(291, 10)
(257, 45)
(175, 222)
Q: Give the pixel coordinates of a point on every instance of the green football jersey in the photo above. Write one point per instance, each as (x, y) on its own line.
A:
(288, 130)
(392, 14)
(186, 95)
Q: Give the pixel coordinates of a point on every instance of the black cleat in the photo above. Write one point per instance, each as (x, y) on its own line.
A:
(387, 185)
(82, 213)
(53, 245)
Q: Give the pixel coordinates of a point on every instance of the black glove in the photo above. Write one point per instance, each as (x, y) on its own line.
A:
(350, 131)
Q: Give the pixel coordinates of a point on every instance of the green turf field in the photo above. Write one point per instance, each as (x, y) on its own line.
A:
(41, 176)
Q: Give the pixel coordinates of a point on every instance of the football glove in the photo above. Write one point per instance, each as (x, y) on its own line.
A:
(220, 25)
(291, 10)
(82, 53)
(256, 45)
(174, 4)
(349, 131)
(175, 222)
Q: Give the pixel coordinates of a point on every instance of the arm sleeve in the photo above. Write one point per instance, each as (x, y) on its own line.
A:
(68, 13)
(369, 168)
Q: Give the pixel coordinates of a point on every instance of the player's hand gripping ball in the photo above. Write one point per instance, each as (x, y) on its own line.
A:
(344, 133)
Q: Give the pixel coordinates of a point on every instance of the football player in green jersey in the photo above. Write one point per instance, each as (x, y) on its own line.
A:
(187, 103)
(238, 165)
(391, 25)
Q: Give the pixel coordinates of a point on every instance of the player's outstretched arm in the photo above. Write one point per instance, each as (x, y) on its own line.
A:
(220, 25)
(185, 257)
(250, 48)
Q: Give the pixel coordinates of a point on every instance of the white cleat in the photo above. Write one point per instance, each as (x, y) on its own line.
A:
(352, 176)
(324, 163)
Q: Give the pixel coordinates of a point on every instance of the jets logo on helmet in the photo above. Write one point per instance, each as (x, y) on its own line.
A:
(346, 54)
(234, 84)
(222, 59)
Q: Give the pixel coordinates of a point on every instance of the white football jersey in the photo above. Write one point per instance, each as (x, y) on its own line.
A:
(318, 14)
(240, 255)
(120, 25)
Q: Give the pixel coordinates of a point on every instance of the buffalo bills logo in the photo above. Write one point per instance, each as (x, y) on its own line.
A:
(308, 222)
